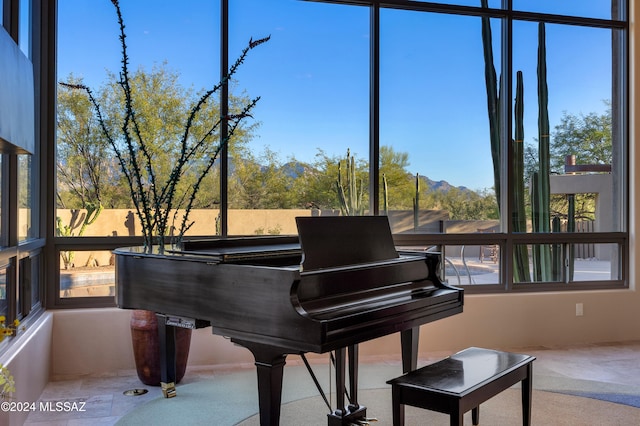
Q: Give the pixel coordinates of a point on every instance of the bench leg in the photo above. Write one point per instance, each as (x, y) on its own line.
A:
(475, 415)
(526, 396)
(398, 409)
(456, 418)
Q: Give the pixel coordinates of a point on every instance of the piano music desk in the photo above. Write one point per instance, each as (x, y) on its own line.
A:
(461, 383)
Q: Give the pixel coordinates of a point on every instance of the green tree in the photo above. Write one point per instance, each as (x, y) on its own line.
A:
(87, 170)
(400, 182)
(83, 166)
(588, 137)
(260, 182)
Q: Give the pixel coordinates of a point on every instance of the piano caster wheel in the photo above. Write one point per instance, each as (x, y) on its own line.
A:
(168, 389)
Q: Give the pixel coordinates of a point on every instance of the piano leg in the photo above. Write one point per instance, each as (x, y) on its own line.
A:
(341, 408)
(409, 341)
(167, 340)
(269, 362)
(353, 377)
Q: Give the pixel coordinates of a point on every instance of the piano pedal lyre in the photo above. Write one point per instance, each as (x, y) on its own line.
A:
(168, 389)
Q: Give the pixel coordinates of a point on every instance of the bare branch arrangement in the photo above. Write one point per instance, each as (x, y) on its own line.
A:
(154, 197)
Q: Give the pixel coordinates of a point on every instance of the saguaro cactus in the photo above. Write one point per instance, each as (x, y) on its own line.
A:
(416, 205)
(351, 197)
(520, 254)
(493, 100)
(540, 199)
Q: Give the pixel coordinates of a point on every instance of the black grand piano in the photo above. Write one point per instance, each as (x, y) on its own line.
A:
(340, 282)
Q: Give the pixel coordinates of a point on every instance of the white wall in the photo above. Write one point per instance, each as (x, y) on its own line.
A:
(29, 361)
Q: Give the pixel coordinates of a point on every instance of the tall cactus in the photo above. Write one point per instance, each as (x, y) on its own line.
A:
(519, 222)
(540, 191)
(351, 197)
(416, 205)
(493, 100)
(540, 199)
(385, 195)
(520, 253)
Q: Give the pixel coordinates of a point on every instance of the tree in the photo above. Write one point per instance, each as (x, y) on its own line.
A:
(87, 170)
(260, 182)
(400, 182)
(588, 137)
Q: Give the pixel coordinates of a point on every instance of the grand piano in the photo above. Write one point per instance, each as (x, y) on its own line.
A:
(339, 283)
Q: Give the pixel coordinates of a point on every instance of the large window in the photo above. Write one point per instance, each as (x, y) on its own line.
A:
(495, 136)
(313, 81)
(20, 242)
(174, 58)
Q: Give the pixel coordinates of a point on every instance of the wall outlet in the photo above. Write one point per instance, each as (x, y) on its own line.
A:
(579, 309)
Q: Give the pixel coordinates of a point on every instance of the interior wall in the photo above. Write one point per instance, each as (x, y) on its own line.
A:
(28, 360)
(98, 341)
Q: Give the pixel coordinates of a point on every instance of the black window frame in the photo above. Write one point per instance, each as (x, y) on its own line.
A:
(506, 240)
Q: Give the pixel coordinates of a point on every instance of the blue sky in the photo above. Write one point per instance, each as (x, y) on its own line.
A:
(313, 75)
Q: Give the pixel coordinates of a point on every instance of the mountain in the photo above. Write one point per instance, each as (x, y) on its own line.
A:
(295, 169)
(441, 185)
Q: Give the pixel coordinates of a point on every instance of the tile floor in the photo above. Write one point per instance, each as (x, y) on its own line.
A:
(105, 402)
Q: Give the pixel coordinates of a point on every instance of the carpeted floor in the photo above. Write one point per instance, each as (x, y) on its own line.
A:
(231, 399)
(505, 409)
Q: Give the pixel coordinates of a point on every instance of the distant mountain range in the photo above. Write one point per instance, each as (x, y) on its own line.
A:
(295, 169)
(442, 185)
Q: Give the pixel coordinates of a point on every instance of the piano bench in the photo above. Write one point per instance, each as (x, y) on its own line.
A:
(461, 383)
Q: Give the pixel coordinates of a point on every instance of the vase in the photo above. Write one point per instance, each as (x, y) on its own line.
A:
(146, 347)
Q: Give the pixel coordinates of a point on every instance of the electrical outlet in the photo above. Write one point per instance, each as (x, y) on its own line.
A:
(579, 309)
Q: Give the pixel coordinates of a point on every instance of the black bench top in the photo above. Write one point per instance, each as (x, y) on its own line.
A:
(464, 371)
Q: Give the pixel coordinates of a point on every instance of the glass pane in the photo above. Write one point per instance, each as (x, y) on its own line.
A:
(24, 36)
(538, 263)
(3, 231)
(35, 264)
(472, 264)
(494, 4)
(313, 80)
(433, 168)
(174, 59)
(603, 9)
(86, 274)
(24, 287)
(571, 157)
(595, 262)
(584, 262)
(25, 198)
(4, 286)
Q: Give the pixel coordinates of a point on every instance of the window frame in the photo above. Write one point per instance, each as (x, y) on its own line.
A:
(25, 289)
(506, 240)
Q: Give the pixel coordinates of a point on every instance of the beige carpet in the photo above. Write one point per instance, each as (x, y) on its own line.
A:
(230, 398)
(549, 408)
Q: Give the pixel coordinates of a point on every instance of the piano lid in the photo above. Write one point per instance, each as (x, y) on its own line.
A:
(332, 241)
(237, 249)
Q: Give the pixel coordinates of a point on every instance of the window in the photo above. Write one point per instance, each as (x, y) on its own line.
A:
(25, 27)
(25, 194)
(418, 104)
(20, 245)
(174, 55)
(311, 115)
